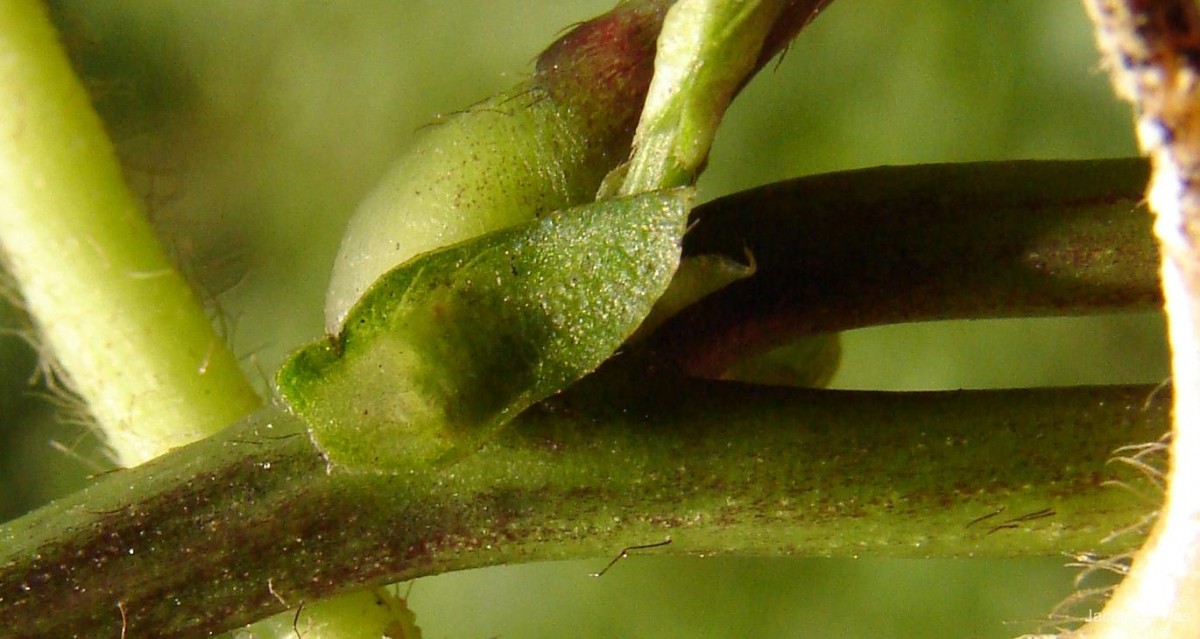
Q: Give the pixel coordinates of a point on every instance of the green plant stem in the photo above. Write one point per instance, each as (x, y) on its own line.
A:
(251, 521)
(122, 322)
(901, 244)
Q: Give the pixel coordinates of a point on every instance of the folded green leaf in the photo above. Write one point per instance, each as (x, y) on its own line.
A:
(444, 349)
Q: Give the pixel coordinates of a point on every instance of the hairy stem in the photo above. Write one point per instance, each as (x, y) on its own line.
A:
(252, 521)
(122, 322)
(1153, 52)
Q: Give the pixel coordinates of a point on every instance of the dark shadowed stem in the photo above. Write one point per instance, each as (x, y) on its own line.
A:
(234, 528)
(903, 244)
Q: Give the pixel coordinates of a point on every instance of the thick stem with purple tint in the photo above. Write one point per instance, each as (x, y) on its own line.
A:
(226, 531)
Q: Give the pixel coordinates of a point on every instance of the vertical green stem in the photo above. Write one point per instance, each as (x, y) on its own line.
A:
(125, 326)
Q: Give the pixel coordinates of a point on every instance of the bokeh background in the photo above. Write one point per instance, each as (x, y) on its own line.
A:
(253, 127)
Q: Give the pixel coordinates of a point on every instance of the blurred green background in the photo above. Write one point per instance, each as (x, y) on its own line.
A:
(253, 128)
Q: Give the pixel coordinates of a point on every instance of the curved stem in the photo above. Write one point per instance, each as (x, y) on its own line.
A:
(901, 244)
(234, 528)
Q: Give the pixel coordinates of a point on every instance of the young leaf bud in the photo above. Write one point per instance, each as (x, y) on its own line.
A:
(444, 349)
(543, 146)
